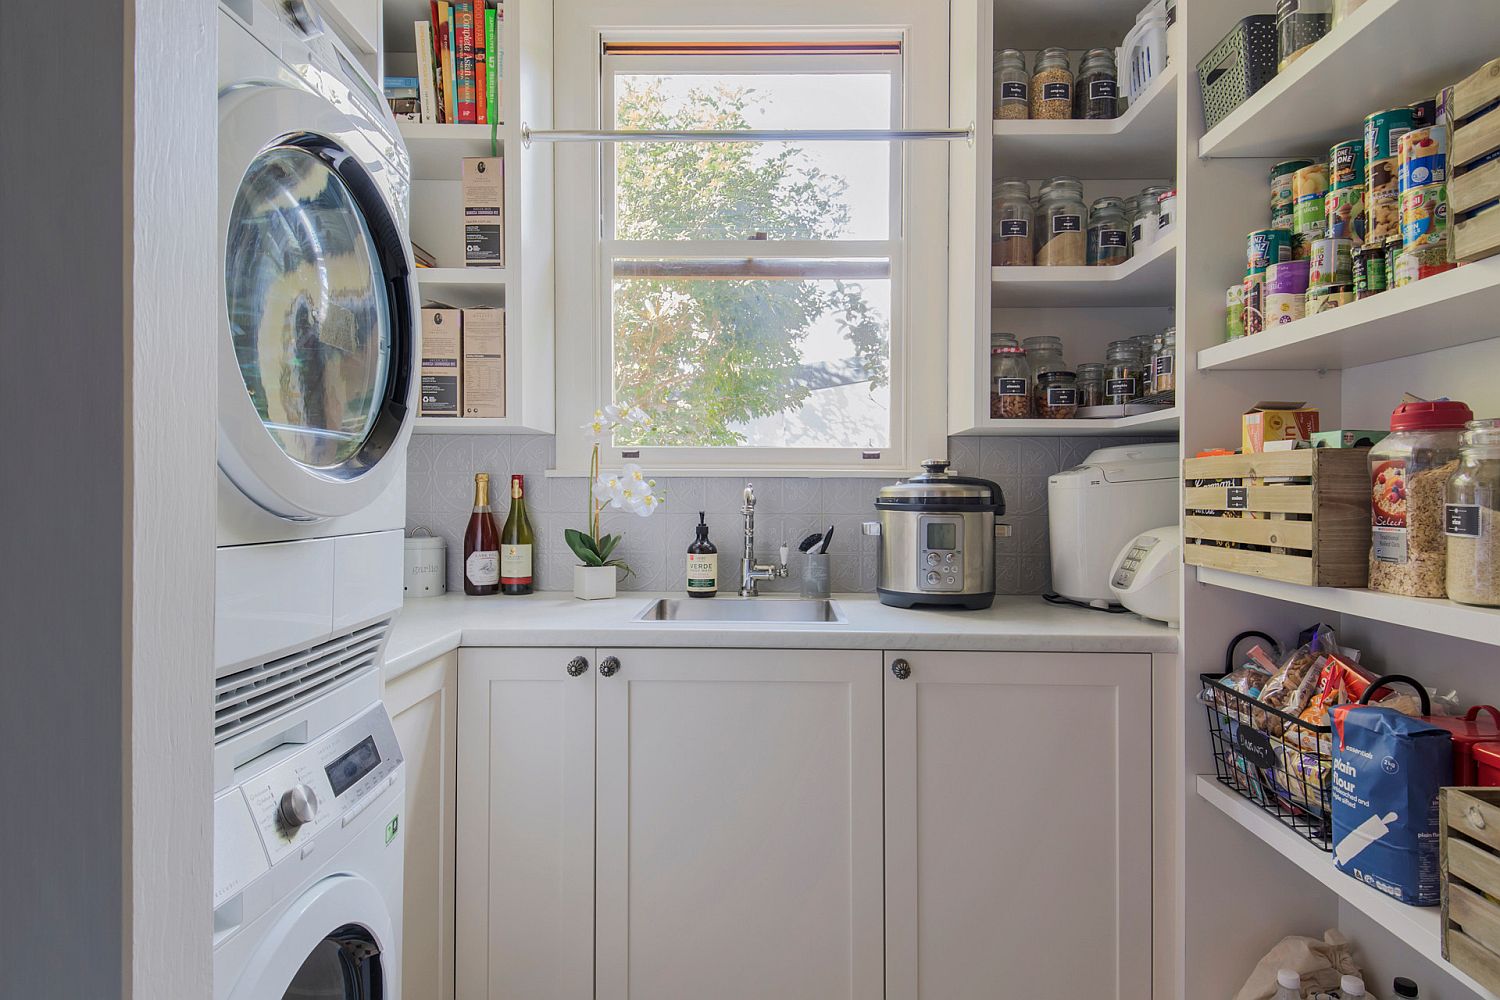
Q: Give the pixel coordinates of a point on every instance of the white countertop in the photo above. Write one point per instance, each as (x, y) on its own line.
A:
(428, 627)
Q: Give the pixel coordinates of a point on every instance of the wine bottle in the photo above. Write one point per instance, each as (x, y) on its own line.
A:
(481, 544)
(515, 543)
(702, 563)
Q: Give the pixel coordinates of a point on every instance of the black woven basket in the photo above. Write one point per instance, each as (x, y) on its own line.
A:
(1242, 63)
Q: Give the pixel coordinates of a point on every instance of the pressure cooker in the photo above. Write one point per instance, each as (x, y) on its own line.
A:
(937, 540)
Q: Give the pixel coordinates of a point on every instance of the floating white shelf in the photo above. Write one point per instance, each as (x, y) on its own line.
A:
(1147, 280)
(1161, 422)
(1417, 926)
(1318, 102)
(472, 425)
(1140, 144)
(462, 286)
(437, 151)
(1447, 310)
(1443, 617)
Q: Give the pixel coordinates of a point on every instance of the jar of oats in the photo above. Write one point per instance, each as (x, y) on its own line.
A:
(1012, 85)
(1013, 219)
(1061, 223)
(1471, 517)
(1052, 85)
(1409, 472)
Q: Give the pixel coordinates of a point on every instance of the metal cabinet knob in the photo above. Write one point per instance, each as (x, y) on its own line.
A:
(576, 666)
(609, 666)
(298, 806)
(901, 669)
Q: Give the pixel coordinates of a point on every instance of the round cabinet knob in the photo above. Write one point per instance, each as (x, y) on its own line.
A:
(609, 666)
(900, 669)
(299, 804)
(576, 666)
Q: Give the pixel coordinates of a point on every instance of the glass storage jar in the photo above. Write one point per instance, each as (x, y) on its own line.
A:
(1164, 361)
(1057, 395)
(1013, 219)
(1052, 85)
(1299, 23)
(1109, 233)
(1091, 384)
(1010, 384)
(1012, 85)
(1063, 236)
(1471, 517)
(1409, 473)
(1147, 219)
(1125, 372)
(1096, 92)
(999, 338)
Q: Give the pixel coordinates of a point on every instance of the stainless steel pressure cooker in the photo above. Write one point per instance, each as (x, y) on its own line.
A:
(937, 540)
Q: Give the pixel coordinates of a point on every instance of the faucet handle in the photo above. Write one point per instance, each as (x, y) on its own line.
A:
(750, 496)
(785, 554)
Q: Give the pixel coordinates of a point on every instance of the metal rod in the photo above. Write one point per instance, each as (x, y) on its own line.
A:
(745, 135)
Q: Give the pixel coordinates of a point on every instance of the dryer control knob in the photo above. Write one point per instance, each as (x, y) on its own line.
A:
(304, 17)
(299, 804)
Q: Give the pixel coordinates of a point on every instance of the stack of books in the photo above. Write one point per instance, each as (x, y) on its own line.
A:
(422, 256)
(460, 62)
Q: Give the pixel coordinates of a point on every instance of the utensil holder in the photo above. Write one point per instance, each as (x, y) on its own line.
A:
(815, 575)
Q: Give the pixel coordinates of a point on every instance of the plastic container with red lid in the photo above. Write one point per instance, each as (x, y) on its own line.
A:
(1430, 415)
(1487, 765)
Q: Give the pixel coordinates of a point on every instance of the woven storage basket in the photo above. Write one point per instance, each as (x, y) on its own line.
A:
(1242, 63)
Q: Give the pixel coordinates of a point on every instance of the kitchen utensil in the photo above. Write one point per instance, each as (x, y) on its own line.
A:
(808, 542)
(827, 537)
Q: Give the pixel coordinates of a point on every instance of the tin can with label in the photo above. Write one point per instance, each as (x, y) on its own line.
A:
(1309, 213)
(1346, 165)
(1282, 197)
(1329, 299)
(1288, 278)
(1391, 247)
(1418, 263)
(1332, 264)
(1234, 311)
(1424, 216)
(1345, 211)
(1285, 307)
(1369, 270)
(1255, 303)
(1264, 247)
(1383, 132)
(1423, 159)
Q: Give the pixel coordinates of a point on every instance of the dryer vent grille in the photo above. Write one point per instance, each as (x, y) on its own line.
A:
(250, 696)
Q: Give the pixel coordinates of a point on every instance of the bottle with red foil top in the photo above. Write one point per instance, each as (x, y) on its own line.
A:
(515, 543)
(481, 544)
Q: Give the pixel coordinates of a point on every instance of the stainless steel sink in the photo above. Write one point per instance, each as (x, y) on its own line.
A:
(768, 610)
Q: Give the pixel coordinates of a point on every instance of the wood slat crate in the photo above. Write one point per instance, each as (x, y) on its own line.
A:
(1299, 516)
(1469, 849)
(1471, 187)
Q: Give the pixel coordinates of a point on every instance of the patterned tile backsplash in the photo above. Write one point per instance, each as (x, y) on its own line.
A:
(440, 490)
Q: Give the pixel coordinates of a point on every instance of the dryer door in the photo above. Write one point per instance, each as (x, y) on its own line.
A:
(317, 361)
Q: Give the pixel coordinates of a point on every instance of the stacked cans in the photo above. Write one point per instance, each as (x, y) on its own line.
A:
(1309, 208)
(1383, 132)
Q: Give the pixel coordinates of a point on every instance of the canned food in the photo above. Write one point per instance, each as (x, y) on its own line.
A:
(1424, 216)
(1383, 200)
(1391, 247)
(1383, 132)
(1328, 299)
(1301, 245)
(1369, 271)
(1345, 212)
(1309, 213)
(1265, 247)
(1234, 311)
(1284, 307)
(1310, 181)
(1332, 264)
(1281, 185)
(1424, 158)
(1346, 165)
(1255, 303)
(1419, 263)
(1288, 277)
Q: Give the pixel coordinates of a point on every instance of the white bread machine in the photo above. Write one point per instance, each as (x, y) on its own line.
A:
(1100, 506)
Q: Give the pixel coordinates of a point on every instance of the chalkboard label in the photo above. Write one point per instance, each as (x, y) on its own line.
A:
(1015, 227)
(1067, 224)
(1101, 89)
(1239, 498)
(1057, 92)
(1013, 386)
(1120, 387)
(1058, 395)
(1013, 91)
(1114, 238)
(1254, 746)
(1461, 519)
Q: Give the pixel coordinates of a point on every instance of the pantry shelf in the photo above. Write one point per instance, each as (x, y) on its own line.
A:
(1161, 422)
(1139, 145)
(1417, 926)
(437, 151)
(473, 425)
(1438, 616)
(1147, 280)
(1370, 62)
(462, 286)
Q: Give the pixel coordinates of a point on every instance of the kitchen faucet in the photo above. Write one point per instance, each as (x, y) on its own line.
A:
(750, 573)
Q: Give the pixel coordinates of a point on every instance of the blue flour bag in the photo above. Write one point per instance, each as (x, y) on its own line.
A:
(1387, 769)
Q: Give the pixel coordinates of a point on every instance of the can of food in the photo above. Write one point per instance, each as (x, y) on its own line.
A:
(1383, 200)
(1369, 270)
(1345, 211)
(1264, 247)
(1424, 113)
(1284, 307)
(1418, 263)
(1288, 278)
(1391, 247)
(1255, 303)
(1310, 181)
(1327, 299)
(1283, 219)
(1332, 264)
(1281, 185)
(1346, 165)
(1423, 159)
(1234, 311)
(1424, 216)
(1383, 132)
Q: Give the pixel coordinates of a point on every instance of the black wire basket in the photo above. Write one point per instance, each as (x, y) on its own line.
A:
(1272, 758)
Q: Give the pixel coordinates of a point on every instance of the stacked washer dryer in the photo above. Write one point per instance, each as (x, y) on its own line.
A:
(317, 382)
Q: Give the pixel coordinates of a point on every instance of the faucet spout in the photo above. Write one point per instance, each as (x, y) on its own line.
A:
(750, 572)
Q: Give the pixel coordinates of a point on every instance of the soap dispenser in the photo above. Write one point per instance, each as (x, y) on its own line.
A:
(702, 563)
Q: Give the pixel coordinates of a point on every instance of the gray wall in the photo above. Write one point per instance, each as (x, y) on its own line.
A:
(440, 490)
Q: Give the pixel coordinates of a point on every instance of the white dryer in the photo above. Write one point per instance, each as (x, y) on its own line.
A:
(318, 338)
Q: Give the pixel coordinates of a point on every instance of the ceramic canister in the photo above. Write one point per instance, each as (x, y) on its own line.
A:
(425, 567)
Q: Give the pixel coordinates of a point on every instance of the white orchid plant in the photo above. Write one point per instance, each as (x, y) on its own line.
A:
(628, 489)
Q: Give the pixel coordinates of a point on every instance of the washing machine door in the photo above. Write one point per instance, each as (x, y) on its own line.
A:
(318, 350)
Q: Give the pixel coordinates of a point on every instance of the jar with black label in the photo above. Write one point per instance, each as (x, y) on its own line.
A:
(1044, 354)
(1012, 85)
(1010, 384)
(1109, 233)
(1164, 361)
(1091, 377)
(1062, 221)
(1125, 374)
(1052, 85)
(1011, 244)
(1057, 395)
(1096, 92)
(1471, 517)
(1299, 23)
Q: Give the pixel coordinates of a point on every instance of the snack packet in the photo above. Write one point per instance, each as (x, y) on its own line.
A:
(1339, 682)
(1291, 688)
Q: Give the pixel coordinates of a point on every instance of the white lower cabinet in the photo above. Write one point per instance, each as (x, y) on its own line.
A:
(1018, 825)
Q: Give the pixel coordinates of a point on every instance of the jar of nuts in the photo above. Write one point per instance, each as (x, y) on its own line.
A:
(1012, 85)
(1091, 378)
(1052, 85)
(1057, 395)
(1125, 372)
(1063, 237)
(1010, 384)
(1012, 217)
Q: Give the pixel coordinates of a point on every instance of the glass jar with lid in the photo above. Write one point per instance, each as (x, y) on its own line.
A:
(1052, 85)
(1109, 233)
(1096, 92)
(1013, 218)
(1299, 23)
(999, 338)
(1010, 384)
(1143, 232)
(1012, 85)
(1471, 517)
(1091, 377)
(1063, 239)
(1057, 394)
(1124, 372)
(1164, 361)
(1045, 354)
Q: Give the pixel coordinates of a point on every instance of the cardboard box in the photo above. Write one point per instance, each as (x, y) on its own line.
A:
(442, 333)
(1276, 421)
(484, 211)
(1348, 439)
(484, 363)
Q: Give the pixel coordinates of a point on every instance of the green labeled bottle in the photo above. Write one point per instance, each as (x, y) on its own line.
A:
(515, 543)
(702, 563)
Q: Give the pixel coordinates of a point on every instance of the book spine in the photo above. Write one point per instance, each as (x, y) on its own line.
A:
(426, 93)
(450, 85)
(435, 35)
(497, 60)
(463, 50)
(481, 65)
(492, 65)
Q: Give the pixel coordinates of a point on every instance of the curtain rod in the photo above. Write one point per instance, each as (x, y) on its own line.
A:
(745, 135)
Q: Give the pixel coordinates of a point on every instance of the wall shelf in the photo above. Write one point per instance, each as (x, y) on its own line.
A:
(1147, 280)
(1312, 105)
(437, 151)
(1161, 422)
(474, 425)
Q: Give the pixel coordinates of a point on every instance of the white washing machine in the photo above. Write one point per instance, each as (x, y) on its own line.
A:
(318, 341)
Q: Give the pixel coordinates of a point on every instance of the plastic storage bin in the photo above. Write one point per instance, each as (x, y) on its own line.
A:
(1242, 63)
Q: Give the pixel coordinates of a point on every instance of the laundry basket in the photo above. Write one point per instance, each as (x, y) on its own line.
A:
(1242, 63)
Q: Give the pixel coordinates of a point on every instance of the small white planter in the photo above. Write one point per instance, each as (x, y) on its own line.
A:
(594, 583)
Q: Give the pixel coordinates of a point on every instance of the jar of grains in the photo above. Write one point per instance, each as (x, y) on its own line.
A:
(1109, 233)
(1409, 472)
(1471, 517)
(1010, 384)
(1012, 85)
(1091, 384)
(999, 339)
(1097, 90)
(1063, 239)
(1124, 372)
(1057, 395)
(1164, 361)
(1052, 85)
(1143, 222)
(1013, 218)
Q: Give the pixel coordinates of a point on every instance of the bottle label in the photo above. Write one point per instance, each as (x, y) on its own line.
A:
(1100, 90)
(1013, 386)
(1057, 92)
(1163, 365)
(482, 568)
(1058, 395)
(1015, 227)
(702, 571)
(515, 564)
(1067, 224)
(1013, 91)
(1135, 233)
(1461, 520)
(1114, 238)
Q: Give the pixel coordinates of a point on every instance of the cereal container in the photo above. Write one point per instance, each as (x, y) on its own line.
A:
(1424, 216)
(1346, 165)
(1409, 473)
(1423, 159)
(1332, 264)
(1345, 213)
(1264, 247)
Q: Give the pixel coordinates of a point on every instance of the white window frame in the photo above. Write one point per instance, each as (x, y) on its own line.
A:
(917, 246)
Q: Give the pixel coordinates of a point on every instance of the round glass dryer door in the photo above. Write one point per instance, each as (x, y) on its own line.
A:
(345, 965)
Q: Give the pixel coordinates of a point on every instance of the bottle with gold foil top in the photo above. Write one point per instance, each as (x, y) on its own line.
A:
(481, 544)
(516, 543)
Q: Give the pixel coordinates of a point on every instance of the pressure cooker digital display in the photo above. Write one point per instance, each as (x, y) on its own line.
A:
(942, 535)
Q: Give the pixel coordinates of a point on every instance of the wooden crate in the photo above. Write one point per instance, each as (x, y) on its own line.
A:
(1476, 234)
(1300, 516)
(1469, 824)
